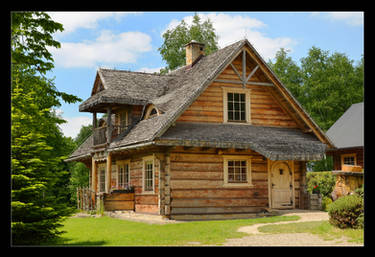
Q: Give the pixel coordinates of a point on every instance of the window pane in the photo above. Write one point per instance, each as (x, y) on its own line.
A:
(230, 106)
(242, 97)
(230, 115)
(230, 96)
(236, 106)
(236, 97)
(236, 116)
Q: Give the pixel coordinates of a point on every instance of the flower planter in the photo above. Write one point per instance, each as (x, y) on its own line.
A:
(315, 201)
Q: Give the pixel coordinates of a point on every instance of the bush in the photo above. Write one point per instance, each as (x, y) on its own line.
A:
(321, 182)
(326, 201)
(345, 212)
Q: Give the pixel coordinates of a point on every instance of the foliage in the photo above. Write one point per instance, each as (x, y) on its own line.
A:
(325, 182)
(173, 50)
(38, 173)
(345, 211)
(326, 201)
(322, 165)
(110, 231)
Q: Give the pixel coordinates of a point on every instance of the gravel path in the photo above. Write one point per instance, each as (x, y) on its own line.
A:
(287, 239)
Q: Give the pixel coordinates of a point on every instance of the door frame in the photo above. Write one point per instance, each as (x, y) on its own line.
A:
(270, 165)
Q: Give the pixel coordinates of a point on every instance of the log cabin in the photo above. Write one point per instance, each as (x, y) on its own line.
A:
(220, 137)
(347, 136)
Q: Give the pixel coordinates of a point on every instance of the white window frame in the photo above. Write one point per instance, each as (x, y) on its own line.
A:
(245, 91)
(119, 165)
(147, 159)
(227, 158)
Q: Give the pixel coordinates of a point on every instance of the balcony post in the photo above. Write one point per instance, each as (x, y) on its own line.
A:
(94, 120)
(109, 125)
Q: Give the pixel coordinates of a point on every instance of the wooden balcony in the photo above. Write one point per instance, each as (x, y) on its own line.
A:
(100, 134)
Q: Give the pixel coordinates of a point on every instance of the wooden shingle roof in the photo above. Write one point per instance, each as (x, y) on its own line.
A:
(174, 92)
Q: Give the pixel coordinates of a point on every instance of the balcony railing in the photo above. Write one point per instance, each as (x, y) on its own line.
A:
(100, 134)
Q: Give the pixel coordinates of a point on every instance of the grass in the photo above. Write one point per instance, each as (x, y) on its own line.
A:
(321, 228)
(106, 231)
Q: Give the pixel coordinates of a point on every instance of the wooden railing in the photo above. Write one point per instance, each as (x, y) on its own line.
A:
(85, 199)
(100, 134)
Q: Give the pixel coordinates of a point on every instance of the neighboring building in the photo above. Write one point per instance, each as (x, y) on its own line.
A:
(218, 138)
(347, 135)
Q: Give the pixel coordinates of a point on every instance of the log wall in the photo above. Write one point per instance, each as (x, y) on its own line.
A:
(196, 184)
(265, 109)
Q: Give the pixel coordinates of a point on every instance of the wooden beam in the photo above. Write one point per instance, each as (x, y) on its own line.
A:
(252, 73)
(94, 170)
(236, 71)
(244, 67)
(247, 83)
(109, 125)
(109, 173)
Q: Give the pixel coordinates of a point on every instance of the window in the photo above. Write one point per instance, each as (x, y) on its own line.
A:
(236, 102)
(148, 174)
(123, 174)
(101, 179)
(151, 111)
(236, 107)
(348, 159)
(237, 171)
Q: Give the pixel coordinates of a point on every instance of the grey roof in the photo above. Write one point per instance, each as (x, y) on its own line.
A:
(272, 142)
(348, 130)
(171, 93)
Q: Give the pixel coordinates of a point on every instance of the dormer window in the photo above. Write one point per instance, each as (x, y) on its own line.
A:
(151, 111)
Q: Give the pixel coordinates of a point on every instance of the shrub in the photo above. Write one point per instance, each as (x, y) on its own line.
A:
(345, 211)
(326, 201)
(321, 182)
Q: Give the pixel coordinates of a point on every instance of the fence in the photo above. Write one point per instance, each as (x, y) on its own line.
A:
(85, 199)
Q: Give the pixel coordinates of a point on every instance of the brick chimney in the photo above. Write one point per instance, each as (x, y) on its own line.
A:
(194, 50)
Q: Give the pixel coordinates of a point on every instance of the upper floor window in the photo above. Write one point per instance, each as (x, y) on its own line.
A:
(236, 103)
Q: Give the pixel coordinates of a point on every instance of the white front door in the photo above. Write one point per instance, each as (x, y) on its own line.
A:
(281, 186)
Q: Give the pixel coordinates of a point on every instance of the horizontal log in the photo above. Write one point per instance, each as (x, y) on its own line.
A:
(186, 118)
(195, 158)
(197, 175)
(244, 202)
(118, 205)
(215, 210)
(219, 193)
(147, 208)
(192, 217)
(119, 196)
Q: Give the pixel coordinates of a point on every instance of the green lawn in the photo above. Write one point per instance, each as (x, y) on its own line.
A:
(110, 231)
(321, 228)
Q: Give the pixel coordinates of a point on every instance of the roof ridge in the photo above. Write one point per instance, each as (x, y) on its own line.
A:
(137, 72)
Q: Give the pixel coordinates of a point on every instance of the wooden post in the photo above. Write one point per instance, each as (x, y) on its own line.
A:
(94, 175)
(94, 120)
(109, 125)
(109, 173)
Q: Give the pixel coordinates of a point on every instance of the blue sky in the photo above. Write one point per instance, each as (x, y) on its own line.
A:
(129, 41)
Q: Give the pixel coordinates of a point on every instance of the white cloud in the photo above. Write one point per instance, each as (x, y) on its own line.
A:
(73, 125)
(150, 70)
(88, 20)
(107, 49)
(231, 28)
(350, 18)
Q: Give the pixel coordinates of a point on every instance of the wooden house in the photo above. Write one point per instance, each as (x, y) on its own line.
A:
(347, 136)
(221, 137)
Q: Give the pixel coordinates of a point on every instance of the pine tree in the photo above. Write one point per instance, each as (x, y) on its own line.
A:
(37, 144)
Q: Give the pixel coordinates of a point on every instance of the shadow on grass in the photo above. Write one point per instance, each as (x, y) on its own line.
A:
(67, 242)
